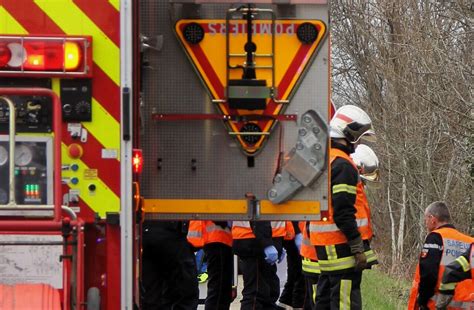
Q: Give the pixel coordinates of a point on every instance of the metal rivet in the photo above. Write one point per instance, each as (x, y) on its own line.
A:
(302, 132)
(277, 179)
(299, 146)
(317, 147)
(306, 119)
(272, 193)
(316, 130)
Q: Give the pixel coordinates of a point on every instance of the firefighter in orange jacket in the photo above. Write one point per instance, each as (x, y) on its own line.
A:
(342, 239)
(259, 247)
(216, 239)
(460, 271)
(442, 246)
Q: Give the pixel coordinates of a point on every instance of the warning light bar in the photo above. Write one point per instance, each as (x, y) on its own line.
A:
(45, 56)
(137, 161)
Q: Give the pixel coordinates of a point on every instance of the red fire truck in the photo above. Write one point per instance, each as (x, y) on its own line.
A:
(115, 111)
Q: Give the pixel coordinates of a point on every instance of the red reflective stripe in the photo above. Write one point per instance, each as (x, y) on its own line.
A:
(104, 15)
(106, 92)
(31, 17)
(344, 118)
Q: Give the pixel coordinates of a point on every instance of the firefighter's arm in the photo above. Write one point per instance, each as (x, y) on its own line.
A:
(430, 258)
(343, 192)
(455, 272)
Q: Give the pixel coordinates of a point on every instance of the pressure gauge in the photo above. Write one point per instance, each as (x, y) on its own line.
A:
(3, 155)
(23, 155)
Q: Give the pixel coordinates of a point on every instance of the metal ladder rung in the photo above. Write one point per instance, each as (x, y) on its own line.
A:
(256, 55)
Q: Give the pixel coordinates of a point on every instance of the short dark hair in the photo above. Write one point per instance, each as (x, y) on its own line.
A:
(439, 210)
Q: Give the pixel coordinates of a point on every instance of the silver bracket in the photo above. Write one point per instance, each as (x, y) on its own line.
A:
(307, 160)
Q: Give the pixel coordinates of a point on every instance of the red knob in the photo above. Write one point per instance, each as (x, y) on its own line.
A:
(75, 151)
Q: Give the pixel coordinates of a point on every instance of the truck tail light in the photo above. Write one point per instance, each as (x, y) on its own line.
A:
(52, 56)
(137, 161)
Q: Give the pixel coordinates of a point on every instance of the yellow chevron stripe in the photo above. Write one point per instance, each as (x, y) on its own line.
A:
(74, 22)
(103, 199)
(8, 24)
(115, 4)
(104, 127)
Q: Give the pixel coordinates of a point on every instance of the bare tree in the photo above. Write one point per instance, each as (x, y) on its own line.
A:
(409, 64)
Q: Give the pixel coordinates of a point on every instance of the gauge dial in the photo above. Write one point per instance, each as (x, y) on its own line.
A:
(3, 155)
(23, 155)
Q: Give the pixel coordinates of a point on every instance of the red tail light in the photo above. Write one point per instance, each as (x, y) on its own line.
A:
(137, 161)
(45, 55)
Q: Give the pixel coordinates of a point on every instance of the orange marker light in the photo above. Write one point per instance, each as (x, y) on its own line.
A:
(72, 55)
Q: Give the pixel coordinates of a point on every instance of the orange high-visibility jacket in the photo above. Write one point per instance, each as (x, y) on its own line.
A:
(243, 230)
(453, 244)
(205, 232)
(326, 232)
(289, 231)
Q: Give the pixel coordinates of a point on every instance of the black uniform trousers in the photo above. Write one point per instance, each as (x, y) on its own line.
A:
(294, 290)
(311, 284)
(261, 284)
(169, 275)
(220, 261)
(339, 291)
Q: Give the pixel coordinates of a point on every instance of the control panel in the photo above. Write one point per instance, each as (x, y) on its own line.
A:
(33, 113)
(33, 170)
(76, 100)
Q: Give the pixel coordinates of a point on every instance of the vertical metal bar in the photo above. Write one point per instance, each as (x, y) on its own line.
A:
(80, 265)
(11, 143)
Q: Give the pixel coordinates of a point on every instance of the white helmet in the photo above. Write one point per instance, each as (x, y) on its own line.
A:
(351, 123)
(367, 162)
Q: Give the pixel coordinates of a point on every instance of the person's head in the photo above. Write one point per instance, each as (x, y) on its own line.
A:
(436, 215)
(350, 124)
(367, 162)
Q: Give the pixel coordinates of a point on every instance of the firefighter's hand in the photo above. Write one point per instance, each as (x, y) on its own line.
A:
(443, 301)
(360, 261)
(282, 256)
(271, 254)
(299, 241)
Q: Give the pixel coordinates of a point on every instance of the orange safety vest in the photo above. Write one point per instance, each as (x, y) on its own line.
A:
(196, 233)
(454, 244)
(205, 232)
(309, 262)
(243, 230)
(307, 249)
(289, 231)
(216, 234)
(326, 232)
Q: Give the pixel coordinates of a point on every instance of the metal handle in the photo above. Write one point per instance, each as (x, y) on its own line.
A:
(11, 143)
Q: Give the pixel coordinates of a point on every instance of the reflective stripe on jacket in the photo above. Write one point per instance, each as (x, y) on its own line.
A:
(278, 228)
(454, 243)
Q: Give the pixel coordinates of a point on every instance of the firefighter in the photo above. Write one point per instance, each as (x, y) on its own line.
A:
(456, 274)
(442, 245)
(342, 239)
(259, 247)
(169, 275)
(293, 294)
(310, 266)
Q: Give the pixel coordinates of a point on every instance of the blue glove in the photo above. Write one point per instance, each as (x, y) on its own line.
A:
(282, 256)
(299, 241)
(271, 254)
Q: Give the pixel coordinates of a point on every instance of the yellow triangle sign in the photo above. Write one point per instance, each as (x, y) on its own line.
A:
(280, 61)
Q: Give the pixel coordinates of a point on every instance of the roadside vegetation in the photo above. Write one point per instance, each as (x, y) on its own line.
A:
(382, 292)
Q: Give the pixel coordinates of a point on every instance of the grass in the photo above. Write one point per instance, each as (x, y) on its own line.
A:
(381, 292)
